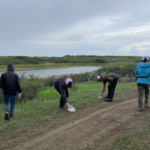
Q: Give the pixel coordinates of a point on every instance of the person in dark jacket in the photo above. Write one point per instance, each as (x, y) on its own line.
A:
(62, 84)
(0, 83)
(10, 85)
(112, 79)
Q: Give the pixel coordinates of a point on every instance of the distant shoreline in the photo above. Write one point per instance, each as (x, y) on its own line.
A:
(41, 68)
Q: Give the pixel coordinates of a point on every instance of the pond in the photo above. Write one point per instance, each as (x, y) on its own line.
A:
(58, 71)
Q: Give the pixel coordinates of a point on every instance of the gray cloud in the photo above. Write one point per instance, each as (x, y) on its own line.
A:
(61, 27)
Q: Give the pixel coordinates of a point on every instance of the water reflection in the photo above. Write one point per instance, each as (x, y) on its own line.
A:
(58, 71)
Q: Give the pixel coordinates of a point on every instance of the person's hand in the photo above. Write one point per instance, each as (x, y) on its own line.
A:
(20, 94)
(102, 95)
(109, 84)
(68, 105)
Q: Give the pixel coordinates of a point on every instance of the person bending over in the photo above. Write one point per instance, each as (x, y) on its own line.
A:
(112, 79)
(62, 84)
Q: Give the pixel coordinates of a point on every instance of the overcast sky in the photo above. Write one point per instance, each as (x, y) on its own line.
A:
(74, 27)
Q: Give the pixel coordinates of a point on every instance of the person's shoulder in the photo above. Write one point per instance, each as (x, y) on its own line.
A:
(16, 74)
(3, 73)
(139, 64)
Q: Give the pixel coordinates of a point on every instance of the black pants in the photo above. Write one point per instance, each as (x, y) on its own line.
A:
(62, 101)
(111, 88)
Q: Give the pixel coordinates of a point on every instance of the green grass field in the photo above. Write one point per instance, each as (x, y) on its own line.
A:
(139, 140)
(38, 109)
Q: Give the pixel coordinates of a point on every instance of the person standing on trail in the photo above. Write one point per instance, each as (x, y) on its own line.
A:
(112, 79)
(10, 85)
(62, 84)
(143, 72)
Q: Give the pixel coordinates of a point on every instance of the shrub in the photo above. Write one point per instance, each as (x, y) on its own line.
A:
(126, 73)
(78, 78)
(49, 81)
(30, 86)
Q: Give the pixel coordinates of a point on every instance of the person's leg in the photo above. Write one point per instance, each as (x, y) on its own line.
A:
(140, 95)
(109, 99)
(111, 92)
(6, 109)
(12, 108)
(61, 105)
(113, 87)
(6, 101)
(146, 95)
(108, 95)
(67, 95)
(61, 99)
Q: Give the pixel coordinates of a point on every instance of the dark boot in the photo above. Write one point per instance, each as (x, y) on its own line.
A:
(106, 97)
(108, 100)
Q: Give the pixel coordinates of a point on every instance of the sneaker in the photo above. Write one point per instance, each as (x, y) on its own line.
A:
(6, 116)
(146, 105)
(141, 108)
(72, 109)
(108, 100)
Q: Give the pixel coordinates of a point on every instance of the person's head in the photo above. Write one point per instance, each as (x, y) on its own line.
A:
(69, 83)
(144, 59)
(10, 67)
(99, 78)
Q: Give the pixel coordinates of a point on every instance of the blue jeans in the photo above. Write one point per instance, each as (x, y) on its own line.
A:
(12, 102)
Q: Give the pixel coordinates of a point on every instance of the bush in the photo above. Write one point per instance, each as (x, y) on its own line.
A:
(78, 78)
(49, 81)
(126, 74)
(30, 86)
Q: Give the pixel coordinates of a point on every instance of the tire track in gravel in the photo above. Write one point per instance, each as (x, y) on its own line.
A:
(82, 133)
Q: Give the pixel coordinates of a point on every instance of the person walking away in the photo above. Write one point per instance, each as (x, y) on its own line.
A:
(10, 85)
(62, 84)
(112, 79)
(0, 83)
(143, 72)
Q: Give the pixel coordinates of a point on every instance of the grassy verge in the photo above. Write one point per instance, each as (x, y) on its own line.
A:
(55, 65)
(46, 104)
(139, 140)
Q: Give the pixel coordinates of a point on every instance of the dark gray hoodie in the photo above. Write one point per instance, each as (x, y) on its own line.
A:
(10, 81)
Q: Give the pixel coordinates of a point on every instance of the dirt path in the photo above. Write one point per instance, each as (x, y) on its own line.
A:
(93, 128)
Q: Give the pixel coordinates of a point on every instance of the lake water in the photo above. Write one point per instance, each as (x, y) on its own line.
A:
(58, 71)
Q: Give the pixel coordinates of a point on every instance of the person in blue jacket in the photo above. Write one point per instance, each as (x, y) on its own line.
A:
(143, 72)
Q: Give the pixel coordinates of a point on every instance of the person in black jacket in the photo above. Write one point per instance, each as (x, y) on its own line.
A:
(0, 83)
(10, 85)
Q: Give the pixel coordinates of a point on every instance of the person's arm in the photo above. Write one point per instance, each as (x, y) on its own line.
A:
(0, 83)
(136, 70)
(63, 94)
(104, 85)
(18, 85)
(110, 81)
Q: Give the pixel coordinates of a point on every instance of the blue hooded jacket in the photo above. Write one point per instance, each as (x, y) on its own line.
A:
(143, 72)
